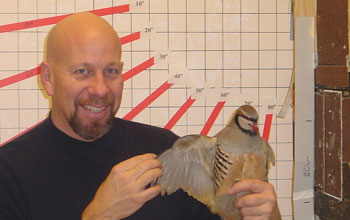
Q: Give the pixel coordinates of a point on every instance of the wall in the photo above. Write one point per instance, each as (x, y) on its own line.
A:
(332, 184)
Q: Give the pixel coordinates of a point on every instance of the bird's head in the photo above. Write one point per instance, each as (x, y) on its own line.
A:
(246, 119)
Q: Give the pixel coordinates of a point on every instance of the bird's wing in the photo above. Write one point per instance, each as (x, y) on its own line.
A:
(269, 152)
(185, 166)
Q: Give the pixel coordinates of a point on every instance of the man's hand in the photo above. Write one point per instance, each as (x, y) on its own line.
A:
(261, 204)
(123, 192)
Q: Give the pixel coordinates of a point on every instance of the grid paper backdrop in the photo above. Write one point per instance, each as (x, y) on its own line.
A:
(188, 65)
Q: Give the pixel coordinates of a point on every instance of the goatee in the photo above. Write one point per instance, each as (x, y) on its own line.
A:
(93, 130)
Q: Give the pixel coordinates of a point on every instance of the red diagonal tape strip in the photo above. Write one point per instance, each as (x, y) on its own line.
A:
(147, 101)
(214, 114)
(137, 69)
(129, 38)
(267, 127)
(19, 77)
(182, 110)
(35, 71)
(56, 19)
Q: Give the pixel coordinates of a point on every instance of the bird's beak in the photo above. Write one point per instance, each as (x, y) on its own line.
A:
(255, 127)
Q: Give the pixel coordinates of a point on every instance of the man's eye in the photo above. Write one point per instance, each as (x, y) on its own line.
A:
(112, 71)
(81, 71)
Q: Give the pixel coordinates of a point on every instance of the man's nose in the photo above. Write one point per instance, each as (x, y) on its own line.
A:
(98, 86)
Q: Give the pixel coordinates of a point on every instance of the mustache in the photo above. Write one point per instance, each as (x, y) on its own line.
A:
(97, 101)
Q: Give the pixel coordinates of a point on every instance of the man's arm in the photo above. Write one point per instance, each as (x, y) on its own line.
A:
(124, 190)
(261, 204)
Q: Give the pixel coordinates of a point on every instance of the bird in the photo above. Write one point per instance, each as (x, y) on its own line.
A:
(207, 167)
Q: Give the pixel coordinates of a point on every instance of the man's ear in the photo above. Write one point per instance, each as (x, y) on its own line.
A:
(46, 77)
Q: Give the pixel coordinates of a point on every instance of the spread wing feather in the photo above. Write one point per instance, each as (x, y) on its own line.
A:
(188, 165)
(269, 152)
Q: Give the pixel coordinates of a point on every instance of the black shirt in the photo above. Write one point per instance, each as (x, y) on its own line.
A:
(45, 174)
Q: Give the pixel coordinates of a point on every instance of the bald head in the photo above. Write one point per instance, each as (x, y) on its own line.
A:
(83, 75)
(74, 30)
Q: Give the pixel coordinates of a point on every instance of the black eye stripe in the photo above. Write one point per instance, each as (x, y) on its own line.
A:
(249, 119)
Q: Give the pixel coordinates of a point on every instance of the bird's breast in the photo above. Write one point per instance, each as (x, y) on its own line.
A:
(240, 167)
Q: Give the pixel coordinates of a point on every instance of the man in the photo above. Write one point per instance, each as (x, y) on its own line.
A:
(81, 162)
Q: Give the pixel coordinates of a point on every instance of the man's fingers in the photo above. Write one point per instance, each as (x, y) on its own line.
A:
(250, 211)
(250, 200)
(254, 200)
(149, 193)
(134, 161)
(144, 167)
(253, 218)
(148, 177)
(252, 185)
(129, 170)
(260, 204)
(264, 210)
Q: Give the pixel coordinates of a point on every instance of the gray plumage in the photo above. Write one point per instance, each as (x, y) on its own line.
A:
(207, 167)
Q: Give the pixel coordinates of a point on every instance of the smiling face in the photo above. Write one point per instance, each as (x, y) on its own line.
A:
(83, 74)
